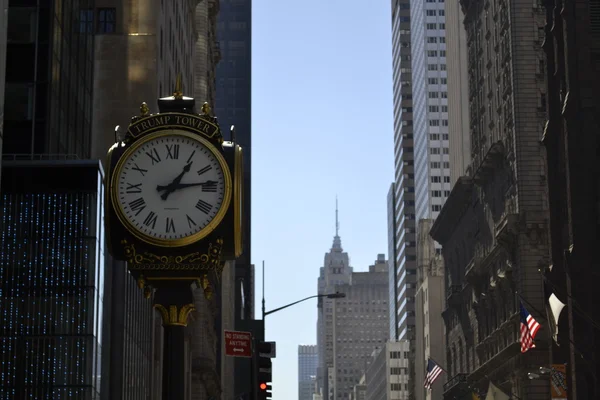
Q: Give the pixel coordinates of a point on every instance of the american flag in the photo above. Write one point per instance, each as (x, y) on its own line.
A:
(433, 372)
(529, 328)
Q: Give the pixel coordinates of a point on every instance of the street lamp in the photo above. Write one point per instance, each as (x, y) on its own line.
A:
(336, 295)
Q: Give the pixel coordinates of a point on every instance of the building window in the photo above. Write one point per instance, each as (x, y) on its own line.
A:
(436, 193)
(107, 20)
(86, 21)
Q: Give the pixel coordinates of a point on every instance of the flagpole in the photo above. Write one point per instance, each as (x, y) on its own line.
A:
(578, 308)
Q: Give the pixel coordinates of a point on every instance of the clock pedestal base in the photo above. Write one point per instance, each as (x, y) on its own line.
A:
(175, 301)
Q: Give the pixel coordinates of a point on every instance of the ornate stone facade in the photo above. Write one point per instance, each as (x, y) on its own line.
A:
(572, 45)
(493, 227)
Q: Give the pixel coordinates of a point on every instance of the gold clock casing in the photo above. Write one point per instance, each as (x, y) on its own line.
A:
(238, 199)
(180, 242)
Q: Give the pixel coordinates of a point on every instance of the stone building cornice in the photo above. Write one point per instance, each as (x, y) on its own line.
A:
(453, 210)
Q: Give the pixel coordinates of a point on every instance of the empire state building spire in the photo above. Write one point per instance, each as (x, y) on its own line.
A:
(337, 242)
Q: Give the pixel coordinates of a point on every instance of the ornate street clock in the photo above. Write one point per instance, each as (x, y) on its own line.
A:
(172, 188)
(174, 194)
(174, 213)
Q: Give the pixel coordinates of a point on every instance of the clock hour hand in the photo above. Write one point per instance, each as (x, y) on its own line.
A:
(171, 187)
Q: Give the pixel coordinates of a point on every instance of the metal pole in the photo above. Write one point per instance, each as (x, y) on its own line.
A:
(263, 289)
(175, 301)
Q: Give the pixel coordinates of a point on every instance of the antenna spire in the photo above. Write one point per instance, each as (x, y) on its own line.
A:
(337, 224)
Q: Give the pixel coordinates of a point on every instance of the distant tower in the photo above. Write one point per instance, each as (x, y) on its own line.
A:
(336, 270)
(337, 241)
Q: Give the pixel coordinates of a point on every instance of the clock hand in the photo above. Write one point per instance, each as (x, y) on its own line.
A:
(187, 185)
(170, 188)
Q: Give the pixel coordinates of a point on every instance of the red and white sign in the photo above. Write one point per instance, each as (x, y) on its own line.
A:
(238, 344)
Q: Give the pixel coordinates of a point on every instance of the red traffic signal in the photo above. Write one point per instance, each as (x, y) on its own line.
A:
(263, 386)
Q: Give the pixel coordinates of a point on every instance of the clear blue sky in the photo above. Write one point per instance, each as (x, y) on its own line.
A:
(321, 126)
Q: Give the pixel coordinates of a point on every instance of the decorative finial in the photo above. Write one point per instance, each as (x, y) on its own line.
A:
(337, 224)
(206, 109)
(178, 93)
(144, 110)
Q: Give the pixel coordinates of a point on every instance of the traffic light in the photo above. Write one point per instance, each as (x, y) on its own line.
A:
(266, 350)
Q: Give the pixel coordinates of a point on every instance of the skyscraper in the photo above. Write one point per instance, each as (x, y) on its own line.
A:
(430, 107)
(393, 278)
(233, 107)
(137, 59)
(458, 91)
(360, 324)
(308, 358)
(430, 342)
(3, 31)
(404, 184)
(336, 270)
(52, 280)
(48, 92)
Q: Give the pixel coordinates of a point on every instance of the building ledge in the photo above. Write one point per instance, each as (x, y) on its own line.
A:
(455, 385)
(488, 163)
(453, 210)
(498, 360)
(506, 229)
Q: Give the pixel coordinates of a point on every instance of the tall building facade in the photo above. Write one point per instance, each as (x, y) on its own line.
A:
(138, 56)
(52, 280)
(308, 358)
(48, 92)
(387, 375)
(360, 324)
(572, 45)
(233, 106)
(458, 91)
(393, 278)
(233, 103)
(3, 40)
(430, 342)
(493, 227)
(404, 186)
(430, 107)
(336, 270)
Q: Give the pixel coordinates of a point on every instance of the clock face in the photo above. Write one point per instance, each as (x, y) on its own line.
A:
(171, 187)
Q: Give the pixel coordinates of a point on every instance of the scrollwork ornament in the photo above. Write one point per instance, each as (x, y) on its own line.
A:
(209, 261)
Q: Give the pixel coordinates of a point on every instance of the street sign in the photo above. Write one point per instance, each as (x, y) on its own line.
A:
(238, 344)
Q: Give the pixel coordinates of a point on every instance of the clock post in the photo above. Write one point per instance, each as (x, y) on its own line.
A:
(173, 207)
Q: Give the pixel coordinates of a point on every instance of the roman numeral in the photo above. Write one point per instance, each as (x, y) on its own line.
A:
(153, 154)
(209, 186)
(203, 206)
(173, 151)
(170, 225)
(190, 221)
(205, 169)
(151, 219)
(190, 157)
(137, 205)
(140, 170)
(134, 188)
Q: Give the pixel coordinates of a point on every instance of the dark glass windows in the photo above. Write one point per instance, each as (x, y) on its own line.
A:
(107, 20)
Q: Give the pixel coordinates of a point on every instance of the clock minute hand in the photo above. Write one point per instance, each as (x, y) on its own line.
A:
(171, 187)
(187, 185)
